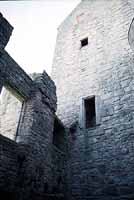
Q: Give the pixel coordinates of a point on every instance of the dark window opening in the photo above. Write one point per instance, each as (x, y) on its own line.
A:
(45, 187)
(59, 135)
(90, 114)
(59, 180)
(84, 42)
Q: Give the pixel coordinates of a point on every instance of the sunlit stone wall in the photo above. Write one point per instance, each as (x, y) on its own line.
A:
(10, 108)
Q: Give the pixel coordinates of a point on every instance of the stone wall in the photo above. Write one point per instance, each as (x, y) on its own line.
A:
(35, 168)
(10, 108)
(5, 31)
(101, 158)
(10, 111)
(8, 167)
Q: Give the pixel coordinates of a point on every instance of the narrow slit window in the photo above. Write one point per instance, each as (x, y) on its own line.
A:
(90, 114)
(84, 42)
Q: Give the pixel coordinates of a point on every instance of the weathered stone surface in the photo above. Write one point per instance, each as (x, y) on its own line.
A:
(8, 167)
(10, 108)
(104, 69)
(14, 78)
(91, 163)
(5, 31)
(36, 168)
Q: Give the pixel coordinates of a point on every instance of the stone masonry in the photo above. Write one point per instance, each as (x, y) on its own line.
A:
(33, 165)
(93, 69)
(101, 158)
(10, 108)
(10, 111)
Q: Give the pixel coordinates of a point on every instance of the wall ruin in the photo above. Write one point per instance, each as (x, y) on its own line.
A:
(31, 166)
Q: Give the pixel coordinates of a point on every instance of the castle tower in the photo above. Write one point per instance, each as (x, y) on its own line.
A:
(93, 69)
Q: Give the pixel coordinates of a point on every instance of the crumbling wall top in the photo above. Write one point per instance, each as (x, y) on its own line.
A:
(5, 31)
(48, 89)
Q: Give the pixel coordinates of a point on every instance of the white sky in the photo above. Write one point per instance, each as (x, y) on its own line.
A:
(35, 29)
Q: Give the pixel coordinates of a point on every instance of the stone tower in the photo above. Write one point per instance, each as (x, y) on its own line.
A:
(93, 69)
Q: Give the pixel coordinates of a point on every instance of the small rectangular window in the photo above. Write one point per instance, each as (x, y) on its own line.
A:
(89, 112)
(90, 116)
(84, 42)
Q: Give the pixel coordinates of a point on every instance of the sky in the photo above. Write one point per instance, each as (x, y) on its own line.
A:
(35, 25)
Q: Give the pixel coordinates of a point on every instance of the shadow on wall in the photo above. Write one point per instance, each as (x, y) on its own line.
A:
(8, 195)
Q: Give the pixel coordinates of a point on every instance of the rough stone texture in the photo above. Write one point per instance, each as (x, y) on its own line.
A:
(5, 31)
(10, 109)
(101, 159)
(14, 78)
(95, 163)
(8, 166)
(36, 168)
